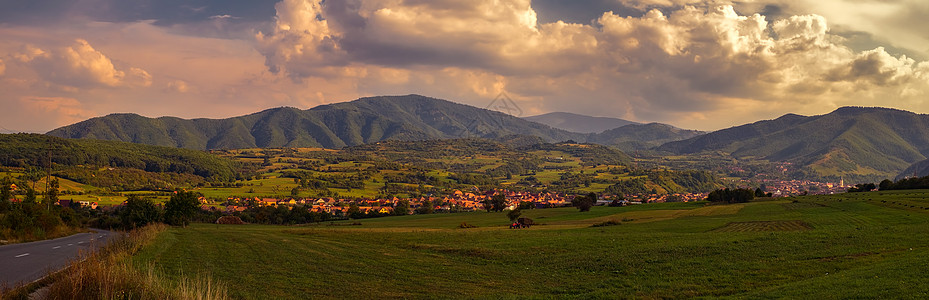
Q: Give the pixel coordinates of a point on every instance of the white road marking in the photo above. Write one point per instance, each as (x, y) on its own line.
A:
(56, 247)
(21, 255)
(70, 244)
(81, 242)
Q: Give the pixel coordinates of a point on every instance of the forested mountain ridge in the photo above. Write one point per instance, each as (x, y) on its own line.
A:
(366, 120)
(848, 141)
(35, 150)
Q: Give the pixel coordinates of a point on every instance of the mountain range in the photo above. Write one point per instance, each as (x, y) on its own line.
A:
(850, 140)
(877, 142)
(366, 120)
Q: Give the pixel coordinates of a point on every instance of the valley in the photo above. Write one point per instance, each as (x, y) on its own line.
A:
(434, 210)
(488, 149)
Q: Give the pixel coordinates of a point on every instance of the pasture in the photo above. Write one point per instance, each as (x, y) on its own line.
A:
(864, 245)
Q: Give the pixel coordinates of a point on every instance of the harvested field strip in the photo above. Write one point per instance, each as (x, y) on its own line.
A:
(758, 226)
(801, 205)
(661, 215)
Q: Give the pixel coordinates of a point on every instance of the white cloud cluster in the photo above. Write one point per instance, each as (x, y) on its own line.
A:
(694, 62)
(302, 40)
(80, 65)
(897, 23)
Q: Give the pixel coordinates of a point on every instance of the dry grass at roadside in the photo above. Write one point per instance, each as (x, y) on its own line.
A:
(108, 274)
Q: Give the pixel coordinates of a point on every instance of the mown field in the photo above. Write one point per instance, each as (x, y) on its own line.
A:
(864, 245)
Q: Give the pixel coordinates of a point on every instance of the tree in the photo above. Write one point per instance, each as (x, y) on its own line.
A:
(33, 175)
(498, 202)
(181, 208)
(425, 208)
(584, 203)
(30, 196)
(488, 204)
(862, 187)
(886, 184)
(759, 193)
(514, 214)
(402, 208)
(6, 193)
(731, 196)
(354, 211)
(51, 196)
(138, 212)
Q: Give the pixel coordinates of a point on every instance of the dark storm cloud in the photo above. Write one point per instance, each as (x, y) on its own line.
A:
(165, 12)
(580, 11)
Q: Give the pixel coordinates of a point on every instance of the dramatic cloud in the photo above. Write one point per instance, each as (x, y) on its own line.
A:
(703, 64)
(691, 63)
(899, 23)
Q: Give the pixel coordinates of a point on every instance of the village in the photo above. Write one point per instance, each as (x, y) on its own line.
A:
(457, 201)
(787, 188)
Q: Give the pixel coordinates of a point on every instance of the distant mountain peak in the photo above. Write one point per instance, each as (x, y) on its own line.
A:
(867, 109)
(579, 123)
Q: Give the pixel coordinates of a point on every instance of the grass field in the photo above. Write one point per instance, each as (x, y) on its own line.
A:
(865, 245)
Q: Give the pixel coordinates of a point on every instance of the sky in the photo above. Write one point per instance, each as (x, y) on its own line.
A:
(696, 64)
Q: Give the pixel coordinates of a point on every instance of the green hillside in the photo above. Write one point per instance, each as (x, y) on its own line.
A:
(440, 167)
(851, 141)
(34, 150)
(365, 120)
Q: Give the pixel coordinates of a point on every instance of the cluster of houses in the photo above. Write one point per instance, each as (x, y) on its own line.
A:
(69, 203)
(656, 198)
(785, 188)
(62, 202)
(457, 201)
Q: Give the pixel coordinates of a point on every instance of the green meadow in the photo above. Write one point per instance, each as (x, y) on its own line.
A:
(864, 245)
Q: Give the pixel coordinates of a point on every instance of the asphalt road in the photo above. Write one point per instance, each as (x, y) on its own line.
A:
(27, 262)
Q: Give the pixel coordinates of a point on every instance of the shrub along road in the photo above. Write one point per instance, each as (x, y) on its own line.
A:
(27, 262)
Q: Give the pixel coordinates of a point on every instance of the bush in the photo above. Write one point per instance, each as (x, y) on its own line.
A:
(466, 225)
(607, 223)
(138, 212)
(229, 220)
